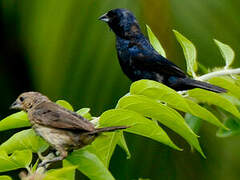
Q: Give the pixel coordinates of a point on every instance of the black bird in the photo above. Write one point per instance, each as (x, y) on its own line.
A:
(139, 60)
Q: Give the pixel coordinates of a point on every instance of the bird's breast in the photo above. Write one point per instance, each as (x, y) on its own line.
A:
(126, 50)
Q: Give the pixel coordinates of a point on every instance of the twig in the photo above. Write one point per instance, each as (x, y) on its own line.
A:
(218, 73)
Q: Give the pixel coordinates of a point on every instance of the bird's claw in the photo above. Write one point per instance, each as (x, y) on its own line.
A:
(43, 164)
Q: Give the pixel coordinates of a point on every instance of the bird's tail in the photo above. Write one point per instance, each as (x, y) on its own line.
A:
(191, 83)
(107, 129)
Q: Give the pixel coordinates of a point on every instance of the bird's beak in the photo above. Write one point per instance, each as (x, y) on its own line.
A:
(104, 18)
(16, 105)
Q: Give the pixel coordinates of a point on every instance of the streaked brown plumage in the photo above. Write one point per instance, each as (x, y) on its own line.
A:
(64, 130)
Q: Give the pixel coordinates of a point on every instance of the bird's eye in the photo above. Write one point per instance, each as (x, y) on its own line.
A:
(110, 14)
(21, 99)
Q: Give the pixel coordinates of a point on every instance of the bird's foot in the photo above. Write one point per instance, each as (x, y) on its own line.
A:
(46, 162)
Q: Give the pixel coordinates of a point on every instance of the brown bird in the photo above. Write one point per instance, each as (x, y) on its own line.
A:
(64, 130)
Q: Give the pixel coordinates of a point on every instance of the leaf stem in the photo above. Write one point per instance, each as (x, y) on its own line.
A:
(219, 73)
(28, 169)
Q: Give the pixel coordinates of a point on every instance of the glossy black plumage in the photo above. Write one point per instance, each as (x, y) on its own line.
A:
(139, 60)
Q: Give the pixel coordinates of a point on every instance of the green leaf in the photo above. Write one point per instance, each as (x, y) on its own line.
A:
(85, 112)
(234, 127)
(202, 68)
(16, 120)
(165, 115)
(189, 51)
(26, 139)
(65, 104)
(35, 165)
(204, 114)
(226, 51)
(70, 174)
(59, 174)
(138, 125)
(155, 42)
(193, 122)
(104, 146)
(122, 143)
(158, 91)
(89, 164)
(234, 100)
(226, 83)
(19, 159)
(5, 178)
(237, 79)
(204, 96)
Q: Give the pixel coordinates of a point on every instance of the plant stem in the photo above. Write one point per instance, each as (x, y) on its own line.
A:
(41, 157)
(219, 73)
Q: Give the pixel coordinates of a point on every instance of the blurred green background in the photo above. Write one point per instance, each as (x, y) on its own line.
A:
(60, 49)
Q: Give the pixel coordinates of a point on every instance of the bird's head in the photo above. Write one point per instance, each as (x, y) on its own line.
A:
(28, 100)
(122, 22)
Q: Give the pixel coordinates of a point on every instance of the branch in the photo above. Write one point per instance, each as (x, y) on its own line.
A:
(219, 73)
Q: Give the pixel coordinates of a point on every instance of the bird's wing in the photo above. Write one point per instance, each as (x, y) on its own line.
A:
(156, 63)
(52, 115)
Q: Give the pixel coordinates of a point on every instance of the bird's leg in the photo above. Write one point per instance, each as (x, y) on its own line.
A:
(63, 155)
(44, 163)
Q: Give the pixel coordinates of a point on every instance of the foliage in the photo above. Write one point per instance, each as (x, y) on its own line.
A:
(146, 107)
(190, 53)
(18, 159)
(226, 51)
(155, 42)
